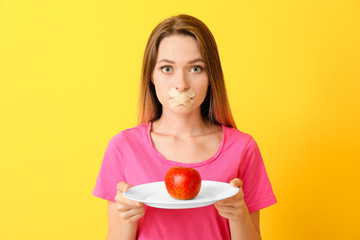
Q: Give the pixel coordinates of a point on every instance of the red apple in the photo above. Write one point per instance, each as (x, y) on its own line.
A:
(183, 183)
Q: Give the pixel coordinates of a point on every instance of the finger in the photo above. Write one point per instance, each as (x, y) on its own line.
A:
(119, 198)
(236, 182)
(126, 207)
(136, 217)
(123, 187)
(236, 203)
(228, 211)
(225, 208)
(229, 216)
(132, 214)
(232, 201)
(121, 207)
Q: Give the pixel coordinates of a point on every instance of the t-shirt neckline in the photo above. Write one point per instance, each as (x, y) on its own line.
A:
(181, 164)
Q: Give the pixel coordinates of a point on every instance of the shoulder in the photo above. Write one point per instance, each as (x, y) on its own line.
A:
(235, 135)
(130, 134)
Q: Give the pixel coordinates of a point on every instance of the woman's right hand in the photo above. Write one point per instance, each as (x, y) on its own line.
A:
(129, 210)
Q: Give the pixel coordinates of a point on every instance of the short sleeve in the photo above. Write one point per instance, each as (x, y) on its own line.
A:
(257, 189)
(111, 170)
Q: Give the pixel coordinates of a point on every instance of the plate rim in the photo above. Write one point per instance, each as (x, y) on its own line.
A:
(179, 202)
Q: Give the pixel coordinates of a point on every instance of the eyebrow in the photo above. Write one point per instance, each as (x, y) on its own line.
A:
(190, 62)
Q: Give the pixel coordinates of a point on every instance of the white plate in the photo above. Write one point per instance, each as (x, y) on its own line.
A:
(155, 195)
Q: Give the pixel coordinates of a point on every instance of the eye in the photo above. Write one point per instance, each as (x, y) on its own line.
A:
(196, 69)
(166, 69)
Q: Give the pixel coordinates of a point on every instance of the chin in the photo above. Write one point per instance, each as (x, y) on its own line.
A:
(181, 109)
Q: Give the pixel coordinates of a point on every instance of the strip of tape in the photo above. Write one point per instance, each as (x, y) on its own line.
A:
(181, 98)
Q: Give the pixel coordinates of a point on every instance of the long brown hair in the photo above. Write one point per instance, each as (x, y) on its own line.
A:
(215, 108)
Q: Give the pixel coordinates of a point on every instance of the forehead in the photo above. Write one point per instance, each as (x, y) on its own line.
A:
(179, 47)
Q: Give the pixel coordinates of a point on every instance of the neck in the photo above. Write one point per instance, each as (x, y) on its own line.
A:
(179, 124)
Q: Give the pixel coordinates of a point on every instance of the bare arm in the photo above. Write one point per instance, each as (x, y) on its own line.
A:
(246, 228)
(243, 225)
(118, 229)
(123, 215)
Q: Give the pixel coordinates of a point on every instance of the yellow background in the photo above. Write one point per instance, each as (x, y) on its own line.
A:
(70, 71)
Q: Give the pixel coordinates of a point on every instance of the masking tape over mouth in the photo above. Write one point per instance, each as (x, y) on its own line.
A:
(181, 98)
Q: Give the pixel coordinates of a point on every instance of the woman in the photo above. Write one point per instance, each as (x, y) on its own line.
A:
(184, 120)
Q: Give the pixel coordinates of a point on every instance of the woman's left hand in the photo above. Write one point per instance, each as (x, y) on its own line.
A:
(233, 208)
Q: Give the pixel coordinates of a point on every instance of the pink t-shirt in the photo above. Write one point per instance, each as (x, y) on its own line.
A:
(131, 157)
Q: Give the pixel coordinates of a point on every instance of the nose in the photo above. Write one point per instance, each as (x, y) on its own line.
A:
(181, 82)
